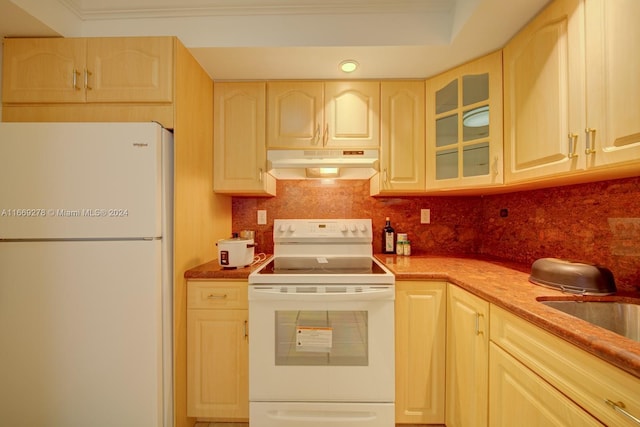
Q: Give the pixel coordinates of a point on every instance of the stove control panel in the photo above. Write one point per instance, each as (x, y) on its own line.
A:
(322, 230)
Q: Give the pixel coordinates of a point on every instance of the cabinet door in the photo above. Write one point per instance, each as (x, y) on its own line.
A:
(130, 69)
(521, 398)
(295, 115)
(217, 364)
(402, 151)
(352, 115)
(464, 131)
(467, 359)
(420, 346)
(613, 81)
(544, 94)
(587, 380)
(48, 70)
(240, 155)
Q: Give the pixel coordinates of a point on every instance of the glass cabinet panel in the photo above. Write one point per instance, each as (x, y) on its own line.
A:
(475, 88)
(464, 125)
(475, 123)
(447, 164)
(475, 159)
(447, 98)
(463, 141)
(447, 131)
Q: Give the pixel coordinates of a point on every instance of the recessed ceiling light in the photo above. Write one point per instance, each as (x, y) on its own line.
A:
(348, 66)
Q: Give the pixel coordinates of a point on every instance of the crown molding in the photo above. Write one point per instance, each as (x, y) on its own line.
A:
(88, 10)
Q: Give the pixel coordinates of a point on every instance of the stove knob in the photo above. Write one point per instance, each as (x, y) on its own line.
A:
(292, 228)
(354, 228)
(363, 227)
(343, 228)
(282, 228)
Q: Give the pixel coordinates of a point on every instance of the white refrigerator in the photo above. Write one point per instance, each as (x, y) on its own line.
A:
(86, 275)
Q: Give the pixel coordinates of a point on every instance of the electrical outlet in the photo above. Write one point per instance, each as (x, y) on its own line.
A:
(262, 217)
(425, 216)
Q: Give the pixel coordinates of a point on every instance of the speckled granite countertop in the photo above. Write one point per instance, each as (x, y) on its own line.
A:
(502, 283)
(212, 270)
(507, 285)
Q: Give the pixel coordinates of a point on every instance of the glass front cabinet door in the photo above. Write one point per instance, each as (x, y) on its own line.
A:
(464, 125)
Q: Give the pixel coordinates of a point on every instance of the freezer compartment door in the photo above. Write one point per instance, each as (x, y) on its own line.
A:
(82, 180)
(82, 332)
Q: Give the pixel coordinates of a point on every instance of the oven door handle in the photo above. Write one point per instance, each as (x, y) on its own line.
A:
(322, 416)
(276, 293)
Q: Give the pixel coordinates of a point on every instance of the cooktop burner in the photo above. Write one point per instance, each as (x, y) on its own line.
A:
(322, 251)
(322, 265)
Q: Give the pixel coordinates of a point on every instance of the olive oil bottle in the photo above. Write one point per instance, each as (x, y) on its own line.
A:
(388, 238)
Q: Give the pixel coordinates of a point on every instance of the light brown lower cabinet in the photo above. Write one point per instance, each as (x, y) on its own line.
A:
(519, 397)
(217, 350)
(500, 369)
(420, 351)
(553, 382)
(504, 371)
(467, 359)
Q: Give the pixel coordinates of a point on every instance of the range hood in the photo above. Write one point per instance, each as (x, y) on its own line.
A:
(337, 164)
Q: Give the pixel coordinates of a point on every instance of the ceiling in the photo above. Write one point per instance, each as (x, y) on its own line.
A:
(291, 39)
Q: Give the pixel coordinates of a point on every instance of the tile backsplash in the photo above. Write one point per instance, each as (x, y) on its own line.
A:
(597, 222)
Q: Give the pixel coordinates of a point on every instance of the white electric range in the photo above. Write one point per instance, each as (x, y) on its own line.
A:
(321, 328)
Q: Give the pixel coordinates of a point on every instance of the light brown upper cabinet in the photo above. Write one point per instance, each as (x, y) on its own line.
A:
(402, 140)
(97, 70)
(612, 134)
(464, 125)
(239, 150)
(323, 115)
(572, 92)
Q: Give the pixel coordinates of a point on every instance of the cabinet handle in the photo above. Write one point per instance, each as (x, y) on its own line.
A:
(316, 136)
(385, 178)
(246, 330)
(573, 145)
(496, 172)
(325, 137)
(619, 407)
(87, 73)
(591, 141)
(217, 296)
(76, 73)
(260, 175)
(478, 316)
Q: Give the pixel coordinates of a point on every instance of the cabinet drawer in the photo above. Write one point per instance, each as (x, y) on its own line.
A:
(217, 294)
(584, 378)
(516, 390)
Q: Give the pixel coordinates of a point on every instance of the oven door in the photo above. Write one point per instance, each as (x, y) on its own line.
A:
(321, 343)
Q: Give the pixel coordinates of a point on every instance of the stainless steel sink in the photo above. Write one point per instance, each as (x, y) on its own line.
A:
(620, 317)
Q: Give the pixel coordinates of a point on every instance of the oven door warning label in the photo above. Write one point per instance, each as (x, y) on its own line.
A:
(313, 338)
